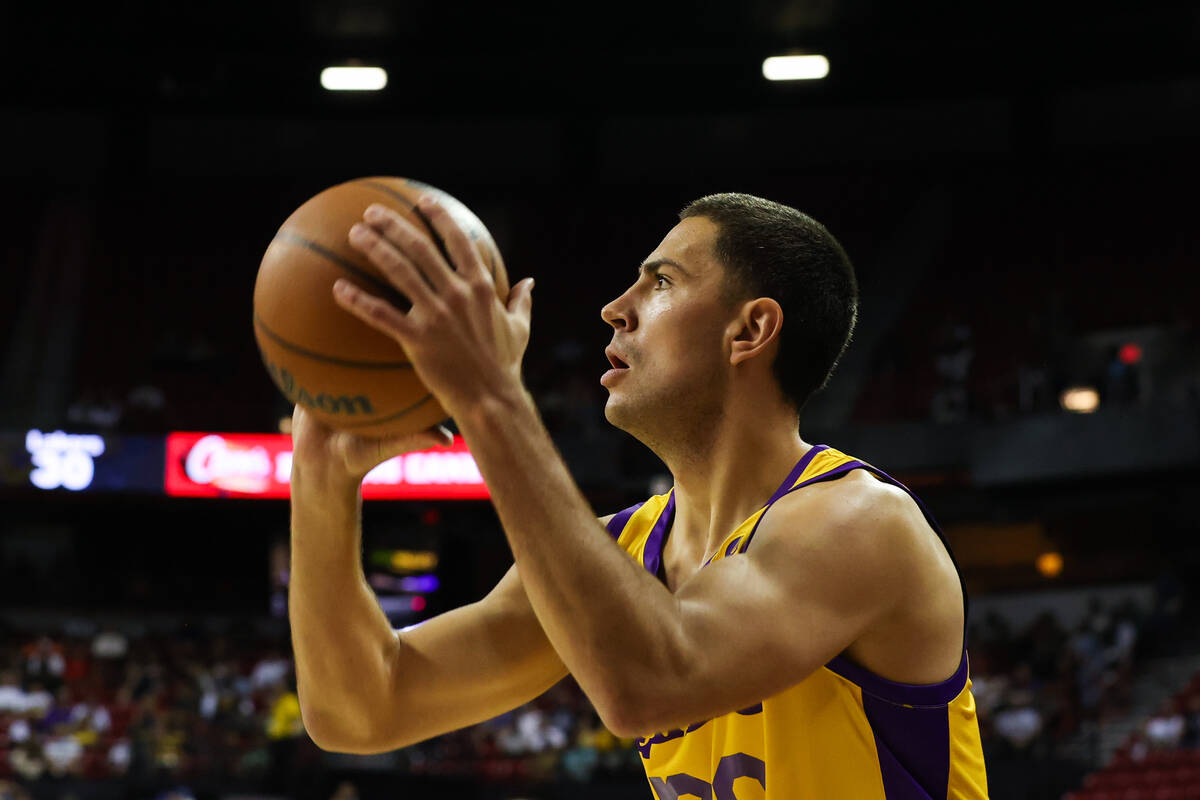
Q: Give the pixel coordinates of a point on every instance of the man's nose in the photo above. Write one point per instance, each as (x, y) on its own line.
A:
(619, 314)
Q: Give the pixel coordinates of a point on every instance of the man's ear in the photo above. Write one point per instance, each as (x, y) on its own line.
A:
(755, 329)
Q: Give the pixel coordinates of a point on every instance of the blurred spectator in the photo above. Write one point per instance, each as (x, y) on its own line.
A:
(1164, 731)
(271, 670)
(63, 752)
(1122, 380)
(44, 662)
(1191, 722)
(1017, 720)
(26, 761)
(12, 696)
(110, 643)
(952, 363)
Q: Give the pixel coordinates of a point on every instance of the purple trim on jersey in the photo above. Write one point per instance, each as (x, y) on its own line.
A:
(827, 476)
(616, 525)
(913, 745)
(652, 555)
(904, 694)
(797, 471)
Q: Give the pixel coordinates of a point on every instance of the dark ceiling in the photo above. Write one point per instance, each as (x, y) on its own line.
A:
(458, 57)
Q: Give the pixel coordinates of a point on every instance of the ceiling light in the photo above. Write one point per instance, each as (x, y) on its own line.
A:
(795, 68)
(1080, 399)
(353, 79)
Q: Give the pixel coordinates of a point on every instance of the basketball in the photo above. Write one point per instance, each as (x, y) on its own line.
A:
(350, 376)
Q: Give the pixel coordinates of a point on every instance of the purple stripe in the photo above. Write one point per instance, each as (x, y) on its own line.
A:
(786, 487)
(913, 745)
(616, 525)
(910, 694)
(652, 555)
(797, 471)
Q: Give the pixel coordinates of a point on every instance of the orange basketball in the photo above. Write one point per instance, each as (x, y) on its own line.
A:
(349, 375)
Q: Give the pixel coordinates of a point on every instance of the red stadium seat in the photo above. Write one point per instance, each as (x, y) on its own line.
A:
(1168, 793)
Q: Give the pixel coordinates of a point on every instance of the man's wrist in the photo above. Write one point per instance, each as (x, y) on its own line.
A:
(504, 404)
(323, 483)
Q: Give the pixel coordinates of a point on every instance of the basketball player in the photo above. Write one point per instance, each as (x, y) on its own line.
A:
(791, 622)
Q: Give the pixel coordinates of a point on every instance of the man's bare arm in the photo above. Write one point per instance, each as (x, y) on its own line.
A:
(365, 688)
(823, 568)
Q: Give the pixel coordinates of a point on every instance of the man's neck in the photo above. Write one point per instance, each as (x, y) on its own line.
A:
(746, 458)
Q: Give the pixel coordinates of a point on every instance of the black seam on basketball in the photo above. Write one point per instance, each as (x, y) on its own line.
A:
(341, 362)
(387, 290)
(441, 245)
(390, 192)
(437, 239)
(389, 418)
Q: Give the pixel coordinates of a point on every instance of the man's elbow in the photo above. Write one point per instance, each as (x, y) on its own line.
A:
(621, 723)
(627, 714)
(335, 736)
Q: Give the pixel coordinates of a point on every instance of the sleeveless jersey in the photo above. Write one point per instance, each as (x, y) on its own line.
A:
(842, 732)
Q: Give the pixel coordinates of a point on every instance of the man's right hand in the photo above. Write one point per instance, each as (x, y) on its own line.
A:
(317, 449)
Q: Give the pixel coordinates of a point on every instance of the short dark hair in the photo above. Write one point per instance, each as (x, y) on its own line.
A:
(772, 250)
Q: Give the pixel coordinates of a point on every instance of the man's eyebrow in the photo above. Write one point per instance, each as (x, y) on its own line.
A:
(651, 266)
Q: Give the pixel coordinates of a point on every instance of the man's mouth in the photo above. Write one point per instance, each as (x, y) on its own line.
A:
(618, 364)
(615, 360)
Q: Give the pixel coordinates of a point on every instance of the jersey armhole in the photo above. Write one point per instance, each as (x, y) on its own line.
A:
(617, 524)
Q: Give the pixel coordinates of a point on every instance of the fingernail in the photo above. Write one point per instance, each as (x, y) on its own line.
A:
(426, 201)
(374, 212)
(358, 230)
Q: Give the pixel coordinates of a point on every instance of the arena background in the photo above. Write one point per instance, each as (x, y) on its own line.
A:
(1017, 188)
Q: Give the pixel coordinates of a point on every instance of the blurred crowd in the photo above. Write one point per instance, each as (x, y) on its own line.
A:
(142, 708)
(158, 709)
(1037, 688)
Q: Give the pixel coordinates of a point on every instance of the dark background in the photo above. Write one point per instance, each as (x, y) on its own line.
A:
(1015, 184)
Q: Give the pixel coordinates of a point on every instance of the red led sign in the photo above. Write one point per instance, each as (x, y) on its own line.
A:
(260, 465)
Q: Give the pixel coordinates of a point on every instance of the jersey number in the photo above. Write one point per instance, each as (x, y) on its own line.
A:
(729, 769)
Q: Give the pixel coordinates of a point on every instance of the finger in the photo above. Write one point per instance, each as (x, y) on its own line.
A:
(437, 436)
(442, 435)
(458, 244)
(395, 265)
(379, 314)
(413, 243)
(520, 299)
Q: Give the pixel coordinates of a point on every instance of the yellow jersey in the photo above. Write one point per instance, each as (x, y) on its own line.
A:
(842, 732)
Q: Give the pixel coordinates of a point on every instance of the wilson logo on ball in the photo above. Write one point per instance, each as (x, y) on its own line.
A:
(330, 404)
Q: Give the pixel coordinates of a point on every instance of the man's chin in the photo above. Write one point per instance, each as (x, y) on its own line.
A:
(618, 413)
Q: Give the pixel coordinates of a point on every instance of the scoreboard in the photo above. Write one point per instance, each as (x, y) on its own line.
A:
(202, 464)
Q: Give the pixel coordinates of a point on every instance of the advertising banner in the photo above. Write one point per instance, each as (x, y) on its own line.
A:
(260, 465)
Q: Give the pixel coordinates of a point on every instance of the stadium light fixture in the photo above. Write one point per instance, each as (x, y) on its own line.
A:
(795, 68)
(353, 79)
(1080, 399)
(1049, 564)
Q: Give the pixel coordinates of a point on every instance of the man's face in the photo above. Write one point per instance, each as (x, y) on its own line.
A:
(668, 329)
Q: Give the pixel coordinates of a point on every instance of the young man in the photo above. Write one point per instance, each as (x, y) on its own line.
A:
(791, 624)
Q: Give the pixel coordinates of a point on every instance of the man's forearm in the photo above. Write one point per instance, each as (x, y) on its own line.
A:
(343, 643)
(605, 615)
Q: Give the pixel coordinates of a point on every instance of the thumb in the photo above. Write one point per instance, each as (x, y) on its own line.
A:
(520, 299)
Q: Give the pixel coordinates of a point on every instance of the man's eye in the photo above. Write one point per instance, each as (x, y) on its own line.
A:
(660, 279)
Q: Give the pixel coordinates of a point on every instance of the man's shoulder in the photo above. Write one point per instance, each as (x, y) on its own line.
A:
(858, 514)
